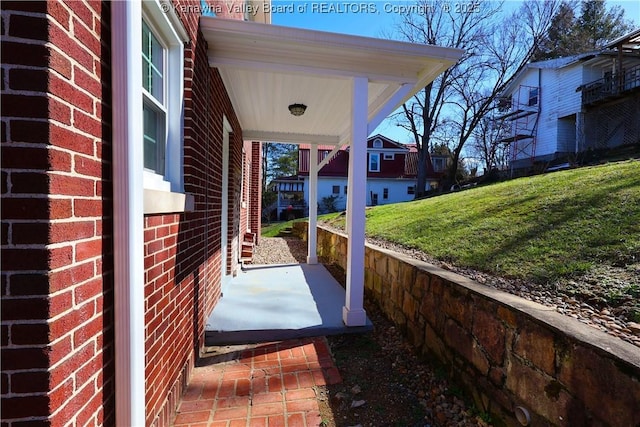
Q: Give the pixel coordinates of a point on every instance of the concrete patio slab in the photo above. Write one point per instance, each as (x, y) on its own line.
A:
(279, 302)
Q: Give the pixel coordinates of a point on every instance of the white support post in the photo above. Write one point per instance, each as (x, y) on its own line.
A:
(128, 213)
(353, 313)
(312, 252)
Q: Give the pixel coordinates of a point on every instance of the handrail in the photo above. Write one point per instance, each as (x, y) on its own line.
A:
(611, 86)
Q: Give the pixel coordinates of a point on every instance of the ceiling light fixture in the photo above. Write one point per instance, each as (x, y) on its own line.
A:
(297, 109)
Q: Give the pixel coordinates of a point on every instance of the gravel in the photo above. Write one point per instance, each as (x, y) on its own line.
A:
(280, 250)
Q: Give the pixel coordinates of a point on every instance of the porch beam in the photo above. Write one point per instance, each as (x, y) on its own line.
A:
(312, 251)
(290, 137)
(329, 156)
(353, 313)
(388, 108)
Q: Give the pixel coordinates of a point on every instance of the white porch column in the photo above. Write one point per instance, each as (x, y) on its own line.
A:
(312, 252)
(352, 313)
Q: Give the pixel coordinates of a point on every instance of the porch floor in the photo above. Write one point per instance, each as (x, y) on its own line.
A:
(265, 303)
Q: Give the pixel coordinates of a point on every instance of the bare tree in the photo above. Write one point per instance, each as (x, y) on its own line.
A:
(486, 143)
(496, 47)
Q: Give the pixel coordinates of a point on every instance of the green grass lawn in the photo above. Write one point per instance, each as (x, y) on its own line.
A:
(273, 230)
(539, 228)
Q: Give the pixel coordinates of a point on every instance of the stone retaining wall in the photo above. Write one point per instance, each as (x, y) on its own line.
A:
(506, 350)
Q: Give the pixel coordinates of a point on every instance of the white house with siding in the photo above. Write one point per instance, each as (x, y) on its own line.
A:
(391, 176)
(559, 109)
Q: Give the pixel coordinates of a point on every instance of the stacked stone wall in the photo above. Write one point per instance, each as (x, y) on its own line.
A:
(508, 352)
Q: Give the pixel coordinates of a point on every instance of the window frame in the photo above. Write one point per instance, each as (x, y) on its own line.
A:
(411, 189)
(534, 94)
(377, 143)
(171, 36)
(439, 164)
(371, 156)
(385, 194)
(335, 189)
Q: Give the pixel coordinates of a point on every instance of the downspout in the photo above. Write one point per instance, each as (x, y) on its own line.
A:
(620, 77)
(536, 125)
(128, 212)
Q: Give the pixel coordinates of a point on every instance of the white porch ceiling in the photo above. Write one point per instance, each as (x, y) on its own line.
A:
(265, 68)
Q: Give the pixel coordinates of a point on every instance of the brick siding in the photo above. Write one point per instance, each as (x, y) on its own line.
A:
(57, 266)
(256, 189)
(182, 251)
(57, 309)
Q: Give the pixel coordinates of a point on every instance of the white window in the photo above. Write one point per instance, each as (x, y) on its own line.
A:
(374, 162)
(387, 156)
(162, 98)
(533, 97)
(377, 143)
(439, 164)
(153, 101)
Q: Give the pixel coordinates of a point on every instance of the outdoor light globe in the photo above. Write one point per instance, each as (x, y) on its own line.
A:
(297, 109)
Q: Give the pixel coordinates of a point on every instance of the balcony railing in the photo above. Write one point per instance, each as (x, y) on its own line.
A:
(611, 87)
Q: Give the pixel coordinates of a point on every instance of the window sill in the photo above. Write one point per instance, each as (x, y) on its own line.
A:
(159, 202)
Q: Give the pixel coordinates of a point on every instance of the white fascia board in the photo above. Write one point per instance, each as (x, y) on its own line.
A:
(231, 40)
(277, 34)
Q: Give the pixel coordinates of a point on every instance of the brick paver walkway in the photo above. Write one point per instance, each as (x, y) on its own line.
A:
(266, 385)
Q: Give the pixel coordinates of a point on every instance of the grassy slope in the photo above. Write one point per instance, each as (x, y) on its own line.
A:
(273, 230)
(538, 228)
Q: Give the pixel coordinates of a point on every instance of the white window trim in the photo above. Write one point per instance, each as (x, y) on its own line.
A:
(172, 35)
(377, 143)
(370, 162)
(388, 156)
(532, 97)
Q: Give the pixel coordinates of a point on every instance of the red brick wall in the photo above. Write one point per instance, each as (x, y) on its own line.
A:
(255, 197)
(57, 274)
(246, 188)
(57, 310)
(182, 251)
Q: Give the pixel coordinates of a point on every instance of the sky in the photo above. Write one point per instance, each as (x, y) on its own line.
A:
(374, 18)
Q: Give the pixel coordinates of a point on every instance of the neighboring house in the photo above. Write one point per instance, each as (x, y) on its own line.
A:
(558, 109)
(131, 174)
(391, 176)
